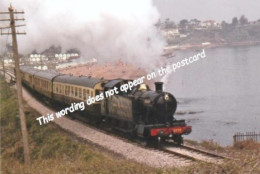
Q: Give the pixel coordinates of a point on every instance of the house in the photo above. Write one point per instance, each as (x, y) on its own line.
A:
(209, 23)
(66, 56)
(37, 58)
(173, 32)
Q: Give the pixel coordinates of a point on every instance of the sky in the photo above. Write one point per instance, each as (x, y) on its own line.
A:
(218, 10)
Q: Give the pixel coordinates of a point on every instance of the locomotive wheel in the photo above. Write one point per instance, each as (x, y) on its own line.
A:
(178, 140)
(155, 141)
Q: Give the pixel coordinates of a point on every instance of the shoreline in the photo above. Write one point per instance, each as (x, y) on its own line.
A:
(215, 45)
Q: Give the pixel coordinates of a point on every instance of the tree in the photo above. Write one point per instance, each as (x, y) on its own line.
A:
(168, 24)
(34, 51)
(224, 25)
(183, 23)
(73, 50)
(195, 21)
(234, 21)
(243, 20)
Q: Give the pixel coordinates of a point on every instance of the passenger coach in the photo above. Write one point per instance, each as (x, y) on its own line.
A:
(42, 82)
(69, 89)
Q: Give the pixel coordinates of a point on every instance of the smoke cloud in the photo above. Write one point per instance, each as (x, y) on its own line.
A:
(106, 30)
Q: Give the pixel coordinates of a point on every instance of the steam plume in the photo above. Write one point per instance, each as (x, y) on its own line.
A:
(106, 30)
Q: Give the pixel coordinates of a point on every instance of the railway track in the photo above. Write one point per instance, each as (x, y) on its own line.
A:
(194, 153)
(9, 75)
(185, 153)
(178, 156)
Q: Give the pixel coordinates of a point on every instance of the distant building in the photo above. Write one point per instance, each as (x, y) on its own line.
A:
(8, 61)
(44, 67)
(205, 43)
(210, 24)
(37, 58)
(173, 32)
(66, 56)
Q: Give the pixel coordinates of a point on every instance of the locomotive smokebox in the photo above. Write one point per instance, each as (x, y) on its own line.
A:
(158, 86)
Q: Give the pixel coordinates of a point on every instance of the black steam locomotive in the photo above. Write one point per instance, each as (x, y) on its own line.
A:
(141, 112)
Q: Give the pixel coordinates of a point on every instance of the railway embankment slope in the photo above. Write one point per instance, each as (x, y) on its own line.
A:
(54, 150)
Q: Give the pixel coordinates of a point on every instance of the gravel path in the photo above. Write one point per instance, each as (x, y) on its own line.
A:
(130, 151)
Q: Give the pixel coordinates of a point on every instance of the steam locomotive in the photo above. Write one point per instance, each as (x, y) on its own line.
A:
(141, 112)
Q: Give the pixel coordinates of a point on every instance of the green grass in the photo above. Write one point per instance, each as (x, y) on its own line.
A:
(54, 151)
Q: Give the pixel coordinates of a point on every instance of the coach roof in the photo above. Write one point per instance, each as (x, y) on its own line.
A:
(28, 70)
(49, 75)
(75, 80)
(112, 83)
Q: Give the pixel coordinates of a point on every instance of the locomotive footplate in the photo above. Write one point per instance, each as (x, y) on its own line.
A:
(162, 130)
(170, 131)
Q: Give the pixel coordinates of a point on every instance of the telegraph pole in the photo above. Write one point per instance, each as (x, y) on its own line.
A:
(3, 64)
(18, 79)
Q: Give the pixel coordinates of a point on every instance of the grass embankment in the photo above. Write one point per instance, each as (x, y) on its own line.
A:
(55, 151)
(52, 149)
(245, 158)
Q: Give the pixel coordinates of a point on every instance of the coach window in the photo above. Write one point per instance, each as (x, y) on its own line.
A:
(68, 90)
(84, 94)
(76, 92)
(91, 94)
(80, 93)
(72, 91)
(56, 86)
(60, 89)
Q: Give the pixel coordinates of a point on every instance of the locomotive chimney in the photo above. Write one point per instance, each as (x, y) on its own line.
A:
(158, 86)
